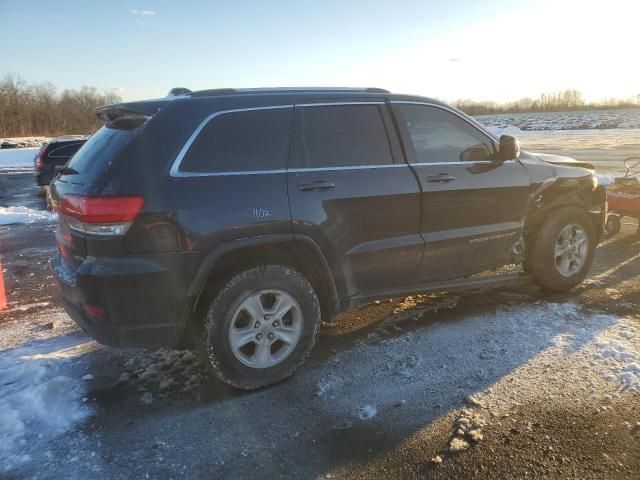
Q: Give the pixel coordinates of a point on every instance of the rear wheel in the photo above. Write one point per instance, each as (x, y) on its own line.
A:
(261, 326)
(613, 224)
(563, 250)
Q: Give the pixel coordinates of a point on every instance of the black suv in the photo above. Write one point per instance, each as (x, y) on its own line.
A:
(241, 218)
(54, 154)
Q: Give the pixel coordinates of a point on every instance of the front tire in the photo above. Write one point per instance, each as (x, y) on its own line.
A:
(261, 326)
(563, 250)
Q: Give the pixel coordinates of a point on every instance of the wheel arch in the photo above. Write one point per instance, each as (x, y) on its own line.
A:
(299, 252)
(553, 195)
(535, 220)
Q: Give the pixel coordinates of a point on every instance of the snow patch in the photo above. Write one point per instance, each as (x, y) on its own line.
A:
(504, 130)
(39, 398)
(13, 215)
(606, 178)
(620, 357)
(327, 386)
(17, 157)
(453, 361)
(367, 412)
(581, 120)
(457, 445)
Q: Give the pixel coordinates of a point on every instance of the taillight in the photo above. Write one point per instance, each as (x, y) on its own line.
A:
(100, 215)
(40, 158)
(93, 311)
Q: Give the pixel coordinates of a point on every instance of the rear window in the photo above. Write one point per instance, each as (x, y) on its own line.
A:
(344, 136)
(100, 150)
(65, 151)
(251, 140)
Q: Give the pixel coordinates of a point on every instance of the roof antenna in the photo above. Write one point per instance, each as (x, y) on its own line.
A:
(178, 91)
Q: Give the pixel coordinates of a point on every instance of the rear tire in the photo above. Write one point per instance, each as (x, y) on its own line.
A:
(261, 326)
(613, 225)
(563, 250)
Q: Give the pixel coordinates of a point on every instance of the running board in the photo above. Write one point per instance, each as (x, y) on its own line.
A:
(512, 279)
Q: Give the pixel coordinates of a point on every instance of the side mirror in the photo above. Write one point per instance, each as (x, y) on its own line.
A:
(509, 148)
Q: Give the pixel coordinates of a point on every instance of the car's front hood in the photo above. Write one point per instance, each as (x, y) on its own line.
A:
(560, 160)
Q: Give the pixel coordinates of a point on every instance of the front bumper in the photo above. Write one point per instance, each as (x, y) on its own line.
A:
(141, 303)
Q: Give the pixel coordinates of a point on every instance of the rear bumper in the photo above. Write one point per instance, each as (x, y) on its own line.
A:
(127, 302)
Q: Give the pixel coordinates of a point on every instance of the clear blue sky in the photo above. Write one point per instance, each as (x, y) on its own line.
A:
(486, 50)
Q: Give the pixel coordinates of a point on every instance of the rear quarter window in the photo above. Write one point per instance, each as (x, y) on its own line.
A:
(243, 141)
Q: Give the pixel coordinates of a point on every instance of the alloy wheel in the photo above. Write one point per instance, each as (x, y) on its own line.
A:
(265, 328)
(571, 250)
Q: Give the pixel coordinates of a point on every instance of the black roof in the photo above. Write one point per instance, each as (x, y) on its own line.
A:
(293, 94)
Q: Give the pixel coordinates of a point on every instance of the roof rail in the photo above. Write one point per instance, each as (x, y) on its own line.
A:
(238, 91)
(376, 90)
(213, 92)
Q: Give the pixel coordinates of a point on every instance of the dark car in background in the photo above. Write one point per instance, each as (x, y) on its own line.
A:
(9, 144)
(54, 154)
(240, 219)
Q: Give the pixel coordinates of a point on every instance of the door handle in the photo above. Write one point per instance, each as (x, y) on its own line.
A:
(441, 178)
(317, 186)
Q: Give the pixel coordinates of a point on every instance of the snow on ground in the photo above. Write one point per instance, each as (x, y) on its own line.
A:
(26, 141)
(16, 158)
(20, 214)
(606, 178)
(426, 363)
(464, 370)
(40, 398)
(584, 120)
(621, 360)
(522, 354)
(504, 130)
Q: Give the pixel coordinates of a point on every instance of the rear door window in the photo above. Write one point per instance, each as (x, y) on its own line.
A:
(344, 136)
(243, 141)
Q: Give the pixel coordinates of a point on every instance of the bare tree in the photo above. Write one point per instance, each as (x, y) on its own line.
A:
(38, 109)
(567, 100)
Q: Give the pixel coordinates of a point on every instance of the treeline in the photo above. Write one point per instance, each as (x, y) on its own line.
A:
(567, 100)
(39, 109)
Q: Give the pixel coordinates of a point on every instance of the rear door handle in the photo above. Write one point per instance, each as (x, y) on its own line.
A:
(317, 186)
(441, 178)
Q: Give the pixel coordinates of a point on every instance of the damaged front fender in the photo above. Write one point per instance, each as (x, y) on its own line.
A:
(570, 186)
